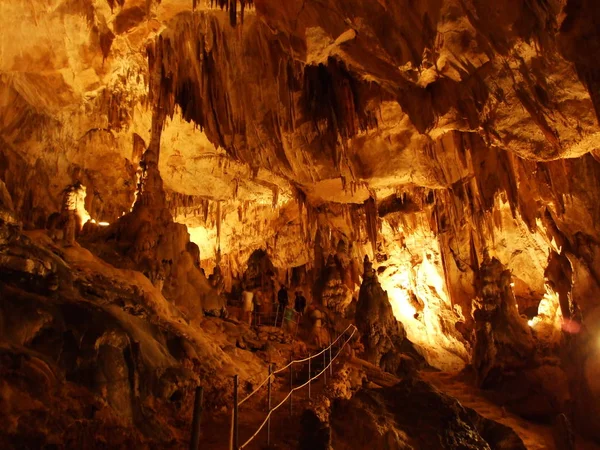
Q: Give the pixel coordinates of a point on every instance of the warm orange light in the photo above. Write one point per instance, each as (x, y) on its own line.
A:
(401, 306)
(548, 322)
(79, 200)
(413, 278)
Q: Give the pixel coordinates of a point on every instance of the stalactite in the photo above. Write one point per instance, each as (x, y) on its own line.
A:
(371, 220)
(112, 3)
(231, 7)
(205, 206)
(275, 197)
(313, 222)
(218, 223)
(236, 187)
(355, 218)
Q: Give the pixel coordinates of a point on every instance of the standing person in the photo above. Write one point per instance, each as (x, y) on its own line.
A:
(317, 322)
(300, 303)
(247, 304)
(282, 298)
(289, 323)
(258, 306)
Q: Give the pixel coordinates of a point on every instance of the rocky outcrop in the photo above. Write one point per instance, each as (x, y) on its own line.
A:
(149, 240)
(503, 341)
(367, 408)
(412, 414)
(95, 356)
(381, 333)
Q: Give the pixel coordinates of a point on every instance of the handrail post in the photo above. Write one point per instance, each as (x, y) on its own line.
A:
(277, 315)
(291, 382)
(325, 367)
(269, 419)
(297, 317)
(309, 376)
(235, 413)
(195, 442)
(330, 361)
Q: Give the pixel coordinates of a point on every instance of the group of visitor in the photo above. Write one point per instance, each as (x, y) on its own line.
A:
(283, 299)
(290, 317)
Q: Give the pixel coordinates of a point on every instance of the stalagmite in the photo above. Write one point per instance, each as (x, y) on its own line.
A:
(502, 338)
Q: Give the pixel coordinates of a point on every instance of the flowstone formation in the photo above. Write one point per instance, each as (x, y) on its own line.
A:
(515, 357)
(340, 279)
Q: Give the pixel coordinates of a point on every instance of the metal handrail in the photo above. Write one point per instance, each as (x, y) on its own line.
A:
(322, 351)
(291, 363)
(254, 392)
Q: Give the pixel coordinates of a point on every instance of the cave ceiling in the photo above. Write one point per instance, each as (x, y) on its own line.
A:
(474, 120)
(342, 100)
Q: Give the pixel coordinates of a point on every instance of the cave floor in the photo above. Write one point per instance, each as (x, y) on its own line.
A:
(535, 436)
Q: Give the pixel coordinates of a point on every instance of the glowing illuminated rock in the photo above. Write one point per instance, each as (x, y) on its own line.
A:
(381, 333)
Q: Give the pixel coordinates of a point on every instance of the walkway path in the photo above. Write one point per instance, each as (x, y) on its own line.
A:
(285, 428)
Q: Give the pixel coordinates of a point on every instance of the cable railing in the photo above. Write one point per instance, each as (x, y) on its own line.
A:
(328, 360)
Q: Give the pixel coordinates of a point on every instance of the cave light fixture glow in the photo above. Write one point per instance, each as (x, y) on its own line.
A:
(102, 224)
(397, 288)
(548, 310)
